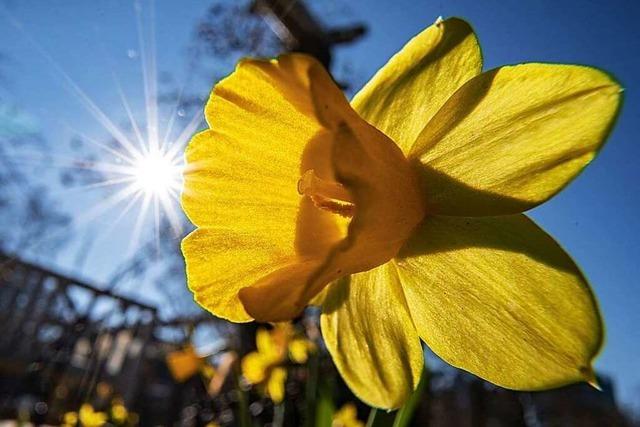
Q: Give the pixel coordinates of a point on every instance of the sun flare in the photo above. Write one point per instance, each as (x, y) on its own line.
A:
(156, 173)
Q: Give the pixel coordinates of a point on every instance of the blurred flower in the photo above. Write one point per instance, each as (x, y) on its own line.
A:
(70, 419)
(347, 416)
(264, 367)
(184, 364)
(299, 349)
(275, 383)
(401, 213)
(90, 418)
(119, 413)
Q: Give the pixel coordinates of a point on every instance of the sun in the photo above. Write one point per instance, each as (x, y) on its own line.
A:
(156, 174)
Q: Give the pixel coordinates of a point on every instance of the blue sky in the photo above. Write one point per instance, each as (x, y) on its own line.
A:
(595, 218)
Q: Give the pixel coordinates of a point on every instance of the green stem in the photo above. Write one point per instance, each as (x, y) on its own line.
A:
(380, 418)
(244, 418)
(402, 417)
(278, 415)
(405, 414)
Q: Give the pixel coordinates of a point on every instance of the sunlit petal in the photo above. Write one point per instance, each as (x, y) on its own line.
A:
(406, 93)
(498, 297)
(513, 137)
(368, 331)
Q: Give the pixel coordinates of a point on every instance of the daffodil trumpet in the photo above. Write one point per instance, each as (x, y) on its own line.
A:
(400, 212)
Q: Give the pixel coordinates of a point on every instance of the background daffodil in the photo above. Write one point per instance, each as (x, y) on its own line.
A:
(347, 416)
(400, 213)
(70, 419)
(87, 416)
(91, 418)
(119, 412)
(266, 366)
(185, 363)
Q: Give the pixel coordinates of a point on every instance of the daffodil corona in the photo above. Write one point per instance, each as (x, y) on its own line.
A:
(400, 213)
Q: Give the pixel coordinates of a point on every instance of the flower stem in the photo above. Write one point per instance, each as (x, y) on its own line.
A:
(405, 414)
(244, 417)
(380, 418)
(278, 415)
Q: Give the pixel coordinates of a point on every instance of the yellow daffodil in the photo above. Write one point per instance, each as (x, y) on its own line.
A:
(119, 413)
(256, 364)
(185, 363)
(264, 366)
(70, 419)
(299, 349)
(274, 387)
(347, 416)
(90, 418)
(400, 212)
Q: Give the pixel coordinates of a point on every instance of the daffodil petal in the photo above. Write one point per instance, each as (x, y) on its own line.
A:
(254, 368)
(183, 364)
(241, 182)
(405, 94)
(265, 344)
(90, 418)
(368, 331)
(498, 297)
(513, 137)
(276, 384)
(280, 296)
(299, 349)
(221, 262)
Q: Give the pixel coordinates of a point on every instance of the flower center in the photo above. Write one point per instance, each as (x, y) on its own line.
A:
(327, 195)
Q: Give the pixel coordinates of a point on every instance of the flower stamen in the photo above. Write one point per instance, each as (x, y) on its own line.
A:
(327, 195)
